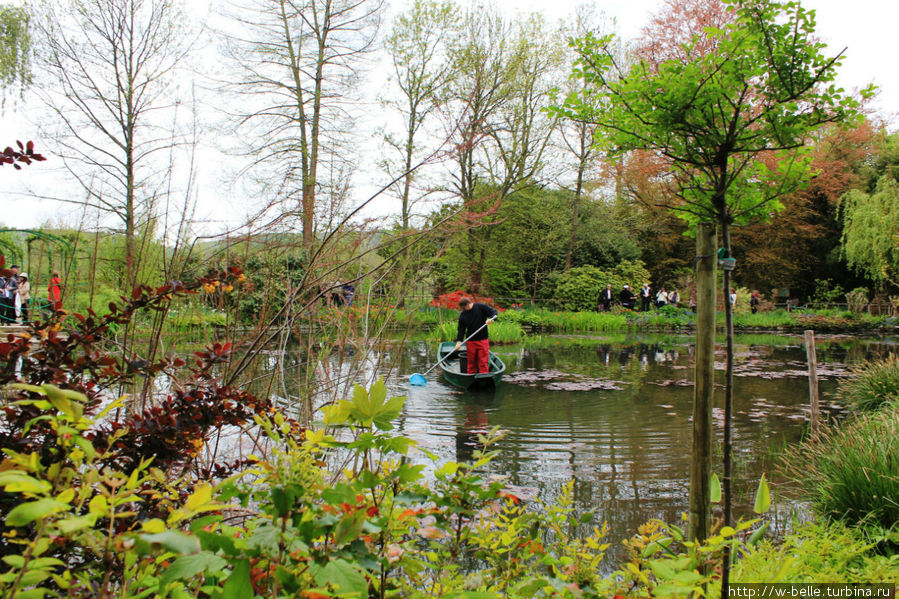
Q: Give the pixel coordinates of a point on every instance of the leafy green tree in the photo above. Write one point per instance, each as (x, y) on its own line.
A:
(871, 231)
(495, 104)
(761, 87)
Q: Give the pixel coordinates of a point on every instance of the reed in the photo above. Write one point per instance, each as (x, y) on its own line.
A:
(850, 473)
(875, 384)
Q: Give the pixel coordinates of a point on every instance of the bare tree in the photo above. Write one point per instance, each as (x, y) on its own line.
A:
(111, 67)
(417, 46)
(300, 61)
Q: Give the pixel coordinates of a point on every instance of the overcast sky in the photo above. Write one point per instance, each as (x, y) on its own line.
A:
(866, 28)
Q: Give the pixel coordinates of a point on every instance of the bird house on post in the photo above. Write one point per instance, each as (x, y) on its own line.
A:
(725, 261)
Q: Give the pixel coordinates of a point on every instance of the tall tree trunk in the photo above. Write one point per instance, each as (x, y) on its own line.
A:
(700, 467)
(578, 192)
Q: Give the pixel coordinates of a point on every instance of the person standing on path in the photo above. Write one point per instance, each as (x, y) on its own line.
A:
(475, 315)
(605, 298)
(674, 297)
(754, 302)
(54, 291)
(24, 292)
(662, 298)
(10, 293)
(627, 298)
(645, 297)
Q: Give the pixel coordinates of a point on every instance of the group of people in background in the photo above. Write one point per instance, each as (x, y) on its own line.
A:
(15, 295)
(627, 299)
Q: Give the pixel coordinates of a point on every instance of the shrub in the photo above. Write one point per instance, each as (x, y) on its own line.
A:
(857, 299)
(875, 384)
(827, 292)
(373, 527)
(817, 552)
(850, 472)
(451, 300)
(579, 288)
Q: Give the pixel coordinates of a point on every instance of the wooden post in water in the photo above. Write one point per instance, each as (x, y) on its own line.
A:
(704, 378)
(812, 379)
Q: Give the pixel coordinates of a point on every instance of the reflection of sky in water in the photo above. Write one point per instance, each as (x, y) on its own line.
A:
(615, 416)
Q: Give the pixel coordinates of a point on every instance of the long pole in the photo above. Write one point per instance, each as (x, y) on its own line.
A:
(728, 415)
(700, 466)
(812, 380)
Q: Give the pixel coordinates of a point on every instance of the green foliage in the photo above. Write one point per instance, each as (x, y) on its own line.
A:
(373, 527)
(826, 292)
(765, 87)
(663, 563)
(850, 472)
(819, 552)
(578, 289)
(871, 230)
(875, 384)
(15, 47)
(568, 322)
(270, 274)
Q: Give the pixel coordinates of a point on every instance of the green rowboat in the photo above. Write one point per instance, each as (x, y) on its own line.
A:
(454, 368)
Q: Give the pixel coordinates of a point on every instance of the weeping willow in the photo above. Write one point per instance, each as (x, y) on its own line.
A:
(871, 231)
(15, 48)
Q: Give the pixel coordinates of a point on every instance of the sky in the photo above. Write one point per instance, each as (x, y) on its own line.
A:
(866, 28)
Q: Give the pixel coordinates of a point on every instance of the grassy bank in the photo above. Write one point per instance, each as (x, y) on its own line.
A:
(667, 319)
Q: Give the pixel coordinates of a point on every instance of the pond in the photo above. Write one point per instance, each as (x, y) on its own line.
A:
(614, 414)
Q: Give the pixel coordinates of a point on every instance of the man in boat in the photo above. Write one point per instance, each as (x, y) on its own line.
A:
(472, 322)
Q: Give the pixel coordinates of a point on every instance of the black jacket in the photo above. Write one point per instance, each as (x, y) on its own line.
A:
(471, 320)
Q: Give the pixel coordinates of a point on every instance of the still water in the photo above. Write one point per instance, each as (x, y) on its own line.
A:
(614, 414)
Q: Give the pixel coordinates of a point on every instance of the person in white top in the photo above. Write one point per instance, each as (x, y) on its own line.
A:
(662, 298)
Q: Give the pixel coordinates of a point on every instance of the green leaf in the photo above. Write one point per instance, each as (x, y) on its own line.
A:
(688, 578)
(70, 525)
(32, 594)
(287, 579)
(348, 578)
(378, 393)
(757, 534)
(349, 528)
(662, 569)
(238, 585)
(715, 488)
(26, 513)
(16, 481)
(762, 497)
(188, 566)
(338, 413)
(363, 410)
(389, 412)
(174, 541)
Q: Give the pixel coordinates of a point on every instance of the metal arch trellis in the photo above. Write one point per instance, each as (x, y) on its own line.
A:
(66, 251)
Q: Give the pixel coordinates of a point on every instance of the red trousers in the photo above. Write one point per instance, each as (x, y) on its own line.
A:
(478, 356)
